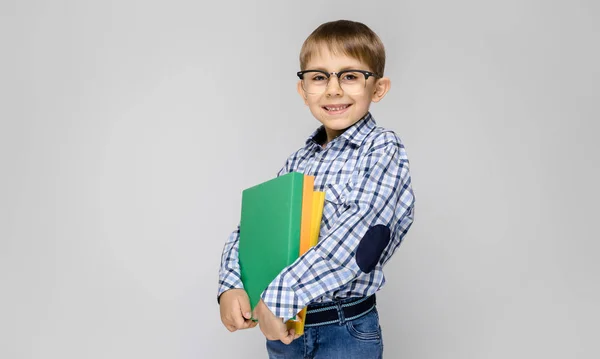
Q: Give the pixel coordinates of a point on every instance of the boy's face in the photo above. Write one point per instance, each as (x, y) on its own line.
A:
(334, 108)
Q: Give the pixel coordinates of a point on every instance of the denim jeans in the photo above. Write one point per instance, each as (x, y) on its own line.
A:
(359, 338)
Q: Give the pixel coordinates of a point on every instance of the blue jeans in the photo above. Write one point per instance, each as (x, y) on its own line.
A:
(357, 339)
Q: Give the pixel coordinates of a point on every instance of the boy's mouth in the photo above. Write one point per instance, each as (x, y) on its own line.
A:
(336, 109)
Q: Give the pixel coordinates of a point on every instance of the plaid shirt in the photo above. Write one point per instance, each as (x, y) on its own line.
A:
(365, 175)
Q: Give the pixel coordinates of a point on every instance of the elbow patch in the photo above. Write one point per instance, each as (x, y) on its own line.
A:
(371, 247)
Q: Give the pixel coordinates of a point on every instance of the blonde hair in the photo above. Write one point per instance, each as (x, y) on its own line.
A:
(349, 38)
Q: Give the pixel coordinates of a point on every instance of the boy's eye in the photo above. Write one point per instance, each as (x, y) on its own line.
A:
(319, 78)
(350, 76)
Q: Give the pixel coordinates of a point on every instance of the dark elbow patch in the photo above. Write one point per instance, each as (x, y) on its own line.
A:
(371, 247)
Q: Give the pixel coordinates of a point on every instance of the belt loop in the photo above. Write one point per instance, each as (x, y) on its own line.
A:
(340, 310)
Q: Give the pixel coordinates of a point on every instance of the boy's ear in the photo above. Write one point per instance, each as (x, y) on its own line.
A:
(301, 92)
(382, 86)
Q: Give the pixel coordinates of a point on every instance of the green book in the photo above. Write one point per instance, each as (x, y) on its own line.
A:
(269, 231)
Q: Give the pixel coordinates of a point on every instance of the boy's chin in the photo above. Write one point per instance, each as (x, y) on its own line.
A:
(339, 124)
(337, 127)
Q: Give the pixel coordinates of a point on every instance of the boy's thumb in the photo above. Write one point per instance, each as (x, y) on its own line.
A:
(245, 308)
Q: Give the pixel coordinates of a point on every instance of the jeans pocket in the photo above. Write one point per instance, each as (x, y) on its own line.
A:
(366, 327)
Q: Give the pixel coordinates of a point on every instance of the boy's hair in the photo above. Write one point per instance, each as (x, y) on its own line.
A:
(349, 38)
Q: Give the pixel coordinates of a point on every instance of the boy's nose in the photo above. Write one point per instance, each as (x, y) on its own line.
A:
(333, 87)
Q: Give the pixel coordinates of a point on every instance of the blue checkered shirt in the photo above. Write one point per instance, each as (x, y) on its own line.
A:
(365, 175)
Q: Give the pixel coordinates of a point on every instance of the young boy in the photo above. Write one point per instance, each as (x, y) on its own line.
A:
(369, 203)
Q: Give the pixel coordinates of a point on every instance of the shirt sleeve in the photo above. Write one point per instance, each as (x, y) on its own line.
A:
(383, 195)
(229, 271)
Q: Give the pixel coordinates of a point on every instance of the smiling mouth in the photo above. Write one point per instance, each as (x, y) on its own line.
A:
(336, 109)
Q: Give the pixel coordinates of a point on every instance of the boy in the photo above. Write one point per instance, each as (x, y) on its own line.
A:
(369, 203)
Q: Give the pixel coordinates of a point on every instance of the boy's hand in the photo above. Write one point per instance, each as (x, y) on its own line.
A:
(273, 327)
(235, 310)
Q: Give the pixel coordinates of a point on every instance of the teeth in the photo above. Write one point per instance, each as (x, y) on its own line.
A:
(336, 108)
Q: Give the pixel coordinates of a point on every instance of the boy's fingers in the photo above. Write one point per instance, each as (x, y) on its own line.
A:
(288, 336)
(236, 316)
(238, 320)
(287, 339)
(231, 328)
(244, 304)
(226, 319)
(249, 323)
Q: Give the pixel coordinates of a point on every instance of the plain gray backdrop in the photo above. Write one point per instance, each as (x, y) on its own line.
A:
(129, 129)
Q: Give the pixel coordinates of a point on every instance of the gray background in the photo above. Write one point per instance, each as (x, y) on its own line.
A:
(129, 128)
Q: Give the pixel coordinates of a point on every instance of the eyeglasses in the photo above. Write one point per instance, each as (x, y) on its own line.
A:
(352, 82)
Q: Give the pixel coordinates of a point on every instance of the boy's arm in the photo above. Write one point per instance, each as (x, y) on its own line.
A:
(229, 272)
(382, 196)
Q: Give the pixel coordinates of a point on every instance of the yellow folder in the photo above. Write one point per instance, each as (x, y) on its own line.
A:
(313, 202)
(307, 209)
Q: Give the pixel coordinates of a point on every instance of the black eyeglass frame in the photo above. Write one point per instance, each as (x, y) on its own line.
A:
(338, 74)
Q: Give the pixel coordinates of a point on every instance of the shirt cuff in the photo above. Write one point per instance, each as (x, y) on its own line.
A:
(282, 300)
(227, 283)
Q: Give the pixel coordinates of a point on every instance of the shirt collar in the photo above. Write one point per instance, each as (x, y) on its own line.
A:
(354, 134)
